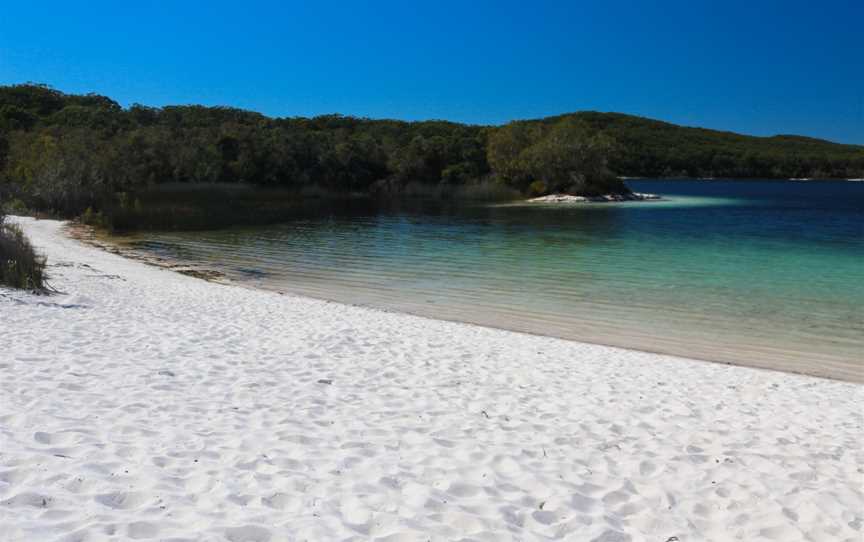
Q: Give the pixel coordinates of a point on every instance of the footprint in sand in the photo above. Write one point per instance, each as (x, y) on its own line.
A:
(52, 438)
(142, 529)
(122, 500)
(248, 533)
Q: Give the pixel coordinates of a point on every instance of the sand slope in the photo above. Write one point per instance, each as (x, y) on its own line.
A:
(144, 404)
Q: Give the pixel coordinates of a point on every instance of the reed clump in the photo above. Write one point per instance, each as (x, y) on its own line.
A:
(20, 266)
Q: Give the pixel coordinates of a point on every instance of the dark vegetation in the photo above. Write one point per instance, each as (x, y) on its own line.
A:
(75, 155)
(20, 267)
(651, 148)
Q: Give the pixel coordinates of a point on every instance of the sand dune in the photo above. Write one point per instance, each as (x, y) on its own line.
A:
(143, 404)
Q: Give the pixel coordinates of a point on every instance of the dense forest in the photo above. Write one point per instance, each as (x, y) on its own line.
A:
(71, 154)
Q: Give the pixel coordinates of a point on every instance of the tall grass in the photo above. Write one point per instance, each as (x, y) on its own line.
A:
(20, 266)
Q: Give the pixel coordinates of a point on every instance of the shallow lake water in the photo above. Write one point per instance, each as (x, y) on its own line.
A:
(764, 273)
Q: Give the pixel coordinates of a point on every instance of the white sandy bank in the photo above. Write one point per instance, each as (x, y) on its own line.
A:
(144, 404)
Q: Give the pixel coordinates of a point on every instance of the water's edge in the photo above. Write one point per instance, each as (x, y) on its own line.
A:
(828, 367)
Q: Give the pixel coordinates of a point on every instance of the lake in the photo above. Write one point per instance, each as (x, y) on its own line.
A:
(762, 273)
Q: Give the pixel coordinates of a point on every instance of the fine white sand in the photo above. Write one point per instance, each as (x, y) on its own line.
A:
(144, 404)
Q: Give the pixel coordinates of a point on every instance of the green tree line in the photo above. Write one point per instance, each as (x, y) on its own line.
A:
(67, 153)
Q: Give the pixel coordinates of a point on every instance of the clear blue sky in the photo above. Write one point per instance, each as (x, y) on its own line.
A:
(758, 67)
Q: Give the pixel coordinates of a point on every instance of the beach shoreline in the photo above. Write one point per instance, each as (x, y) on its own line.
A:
(821, 365)
(141, 403)
(606, 198)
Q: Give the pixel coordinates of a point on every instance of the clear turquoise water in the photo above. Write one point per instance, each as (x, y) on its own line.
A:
(767, 273)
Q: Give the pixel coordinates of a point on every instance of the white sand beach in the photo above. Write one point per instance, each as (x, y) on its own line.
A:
(145, 404)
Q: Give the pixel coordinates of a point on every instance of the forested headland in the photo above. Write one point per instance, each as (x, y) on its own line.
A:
(75, 154)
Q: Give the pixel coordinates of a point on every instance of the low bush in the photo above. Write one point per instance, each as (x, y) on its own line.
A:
(20, 266)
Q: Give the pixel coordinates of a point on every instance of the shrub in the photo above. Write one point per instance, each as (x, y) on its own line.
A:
(20, 266)
(14, 206)
(537, 188)
(92, 218)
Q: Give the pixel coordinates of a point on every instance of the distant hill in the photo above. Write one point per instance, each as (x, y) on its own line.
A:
(66, 152)
(648, 147)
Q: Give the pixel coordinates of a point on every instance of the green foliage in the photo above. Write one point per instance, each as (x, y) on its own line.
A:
(14, 206)
(13, 117)
(65, 153)
(20, 267)
(4, 151)
(648, 148)
(538, 188)
(564, 156)
(95, 218)
(62, 171)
